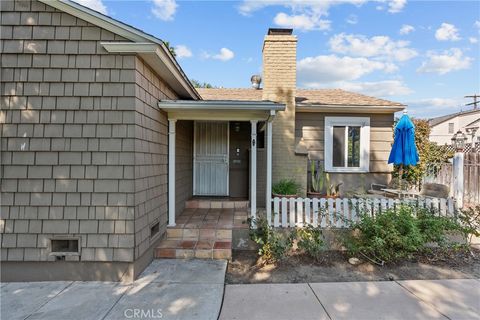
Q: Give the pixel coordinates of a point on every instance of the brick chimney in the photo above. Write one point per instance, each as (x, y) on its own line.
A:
(280, 85)
(279, 65)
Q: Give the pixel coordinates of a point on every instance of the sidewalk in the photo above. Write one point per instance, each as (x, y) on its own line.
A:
(408, 300)
(194, 289)
(167, 289)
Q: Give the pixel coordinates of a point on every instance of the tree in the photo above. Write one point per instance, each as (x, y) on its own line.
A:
(432, 156)
(198, 84)
(171, 49)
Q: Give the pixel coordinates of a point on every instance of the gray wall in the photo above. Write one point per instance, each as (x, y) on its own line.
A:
(183, 164)
(84, 146)
(310, 127)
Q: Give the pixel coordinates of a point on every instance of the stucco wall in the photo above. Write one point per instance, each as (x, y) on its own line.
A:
(310, 127)
(440, 135)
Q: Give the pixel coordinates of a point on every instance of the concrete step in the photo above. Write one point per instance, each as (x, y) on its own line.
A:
(216, 204)
(187, 249)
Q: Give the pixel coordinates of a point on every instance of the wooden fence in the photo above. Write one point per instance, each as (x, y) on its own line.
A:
(339, 213)
(471, 176)
(443, 176)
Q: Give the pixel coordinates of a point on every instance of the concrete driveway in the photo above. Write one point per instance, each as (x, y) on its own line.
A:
(167, 289)
(405, 300)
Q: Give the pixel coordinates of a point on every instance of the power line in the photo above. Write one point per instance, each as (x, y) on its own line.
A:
(475, 98)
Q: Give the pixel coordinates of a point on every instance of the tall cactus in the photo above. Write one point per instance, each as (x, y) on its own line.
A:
(318, 177)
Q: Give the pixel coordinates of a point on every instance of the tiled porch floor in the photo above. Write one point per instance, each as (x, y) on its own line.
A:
(198, 218)
(203, 233)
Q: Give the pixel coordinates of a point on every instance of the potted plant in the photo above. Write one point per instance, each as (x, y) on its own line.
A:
(320, 186)
(285, 188)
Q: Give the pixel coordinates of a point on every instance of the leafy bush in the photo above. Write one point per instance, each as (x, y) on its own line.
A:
(393, 235)
(310, 240)
(470, 221)
(274, 245)
(285, 187)
(432, 156)
(435, 228)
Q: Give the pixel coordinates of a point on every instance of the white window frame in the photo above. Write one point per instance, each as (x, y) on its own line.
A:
(364, 124)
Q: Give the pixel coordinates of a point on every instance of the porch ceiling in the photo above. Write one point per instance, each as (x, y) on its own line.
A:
(220, 110)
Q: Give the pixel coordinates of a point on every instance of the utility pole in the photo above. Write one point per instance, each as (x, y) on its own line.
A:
(475, 101)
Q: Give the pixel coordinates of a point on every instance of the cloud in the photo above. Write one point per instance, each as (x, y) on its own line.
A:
(183, 51)
(384, 88)
(473, 40)
(447, 32)
(477, 24)
(96, 5)
(429, 107)
(309, 15)
(315, 71)
(305, 15)
(164, 9)
(302, 22)
(378, 46)
(445, 62)
(225, 54)
(406, 29)
(395, 6)
(352, 19)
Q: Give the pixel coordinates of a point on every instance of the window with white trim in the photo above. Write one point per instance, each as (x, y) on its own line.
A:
(347, 144)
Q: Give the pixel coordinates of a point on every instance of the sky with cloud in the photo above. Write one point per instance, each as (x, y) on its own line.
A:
(421, 53)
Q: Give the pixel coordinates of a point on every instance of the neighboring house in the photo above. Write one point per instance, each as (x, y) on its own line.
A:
(104, 139)
(443, 128)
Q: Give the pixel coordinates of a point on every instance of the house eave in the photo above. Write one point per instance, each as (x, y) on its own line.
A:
(347, 108)
(152, 53)
(225, 110)
(128, 32)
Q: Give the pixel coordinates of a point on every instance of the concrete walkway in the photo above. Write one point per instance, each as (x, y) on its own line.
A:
(406, 300)
(167, 289)
(194, 289)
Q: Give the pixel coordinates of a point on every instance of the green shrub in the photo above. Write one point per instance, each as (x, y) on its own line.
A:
(285, 187)
(310, 241)
(393, 235)
(435, 228)
(273, 245)
(470, 222)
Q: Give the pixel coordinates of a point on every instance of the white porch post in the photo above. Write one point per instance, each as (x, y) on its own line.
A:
(268, 185)
(253, 170)
(171, 172)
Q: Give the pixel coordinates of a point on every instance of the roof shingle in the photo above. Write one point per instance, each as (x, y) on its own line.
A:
(304, 96)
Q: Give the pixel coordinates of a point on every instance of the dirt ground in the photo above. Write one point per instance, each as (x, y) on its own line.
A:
(246, 267)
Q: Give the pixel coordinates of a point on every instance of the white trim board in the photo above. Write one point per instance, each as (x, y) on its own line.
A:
(364, 123)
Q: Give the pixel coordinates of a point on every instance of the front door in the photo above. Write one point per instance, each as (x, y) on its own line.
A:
(210, 159)
(239, 146)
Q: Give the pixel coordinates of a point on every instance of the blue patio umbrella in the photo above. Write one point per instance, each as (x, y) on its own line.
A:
(404, 151)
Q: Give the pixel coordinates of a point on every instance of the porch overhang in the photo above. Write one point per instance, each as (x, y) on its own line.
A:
(224, 110)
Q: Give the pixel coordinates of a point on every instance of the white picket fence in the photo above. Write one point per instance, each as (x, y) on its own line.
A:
(339, 213)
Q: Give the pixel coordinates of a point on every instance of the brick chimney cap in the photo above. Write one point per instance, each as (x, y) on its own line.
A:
(279, 32)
